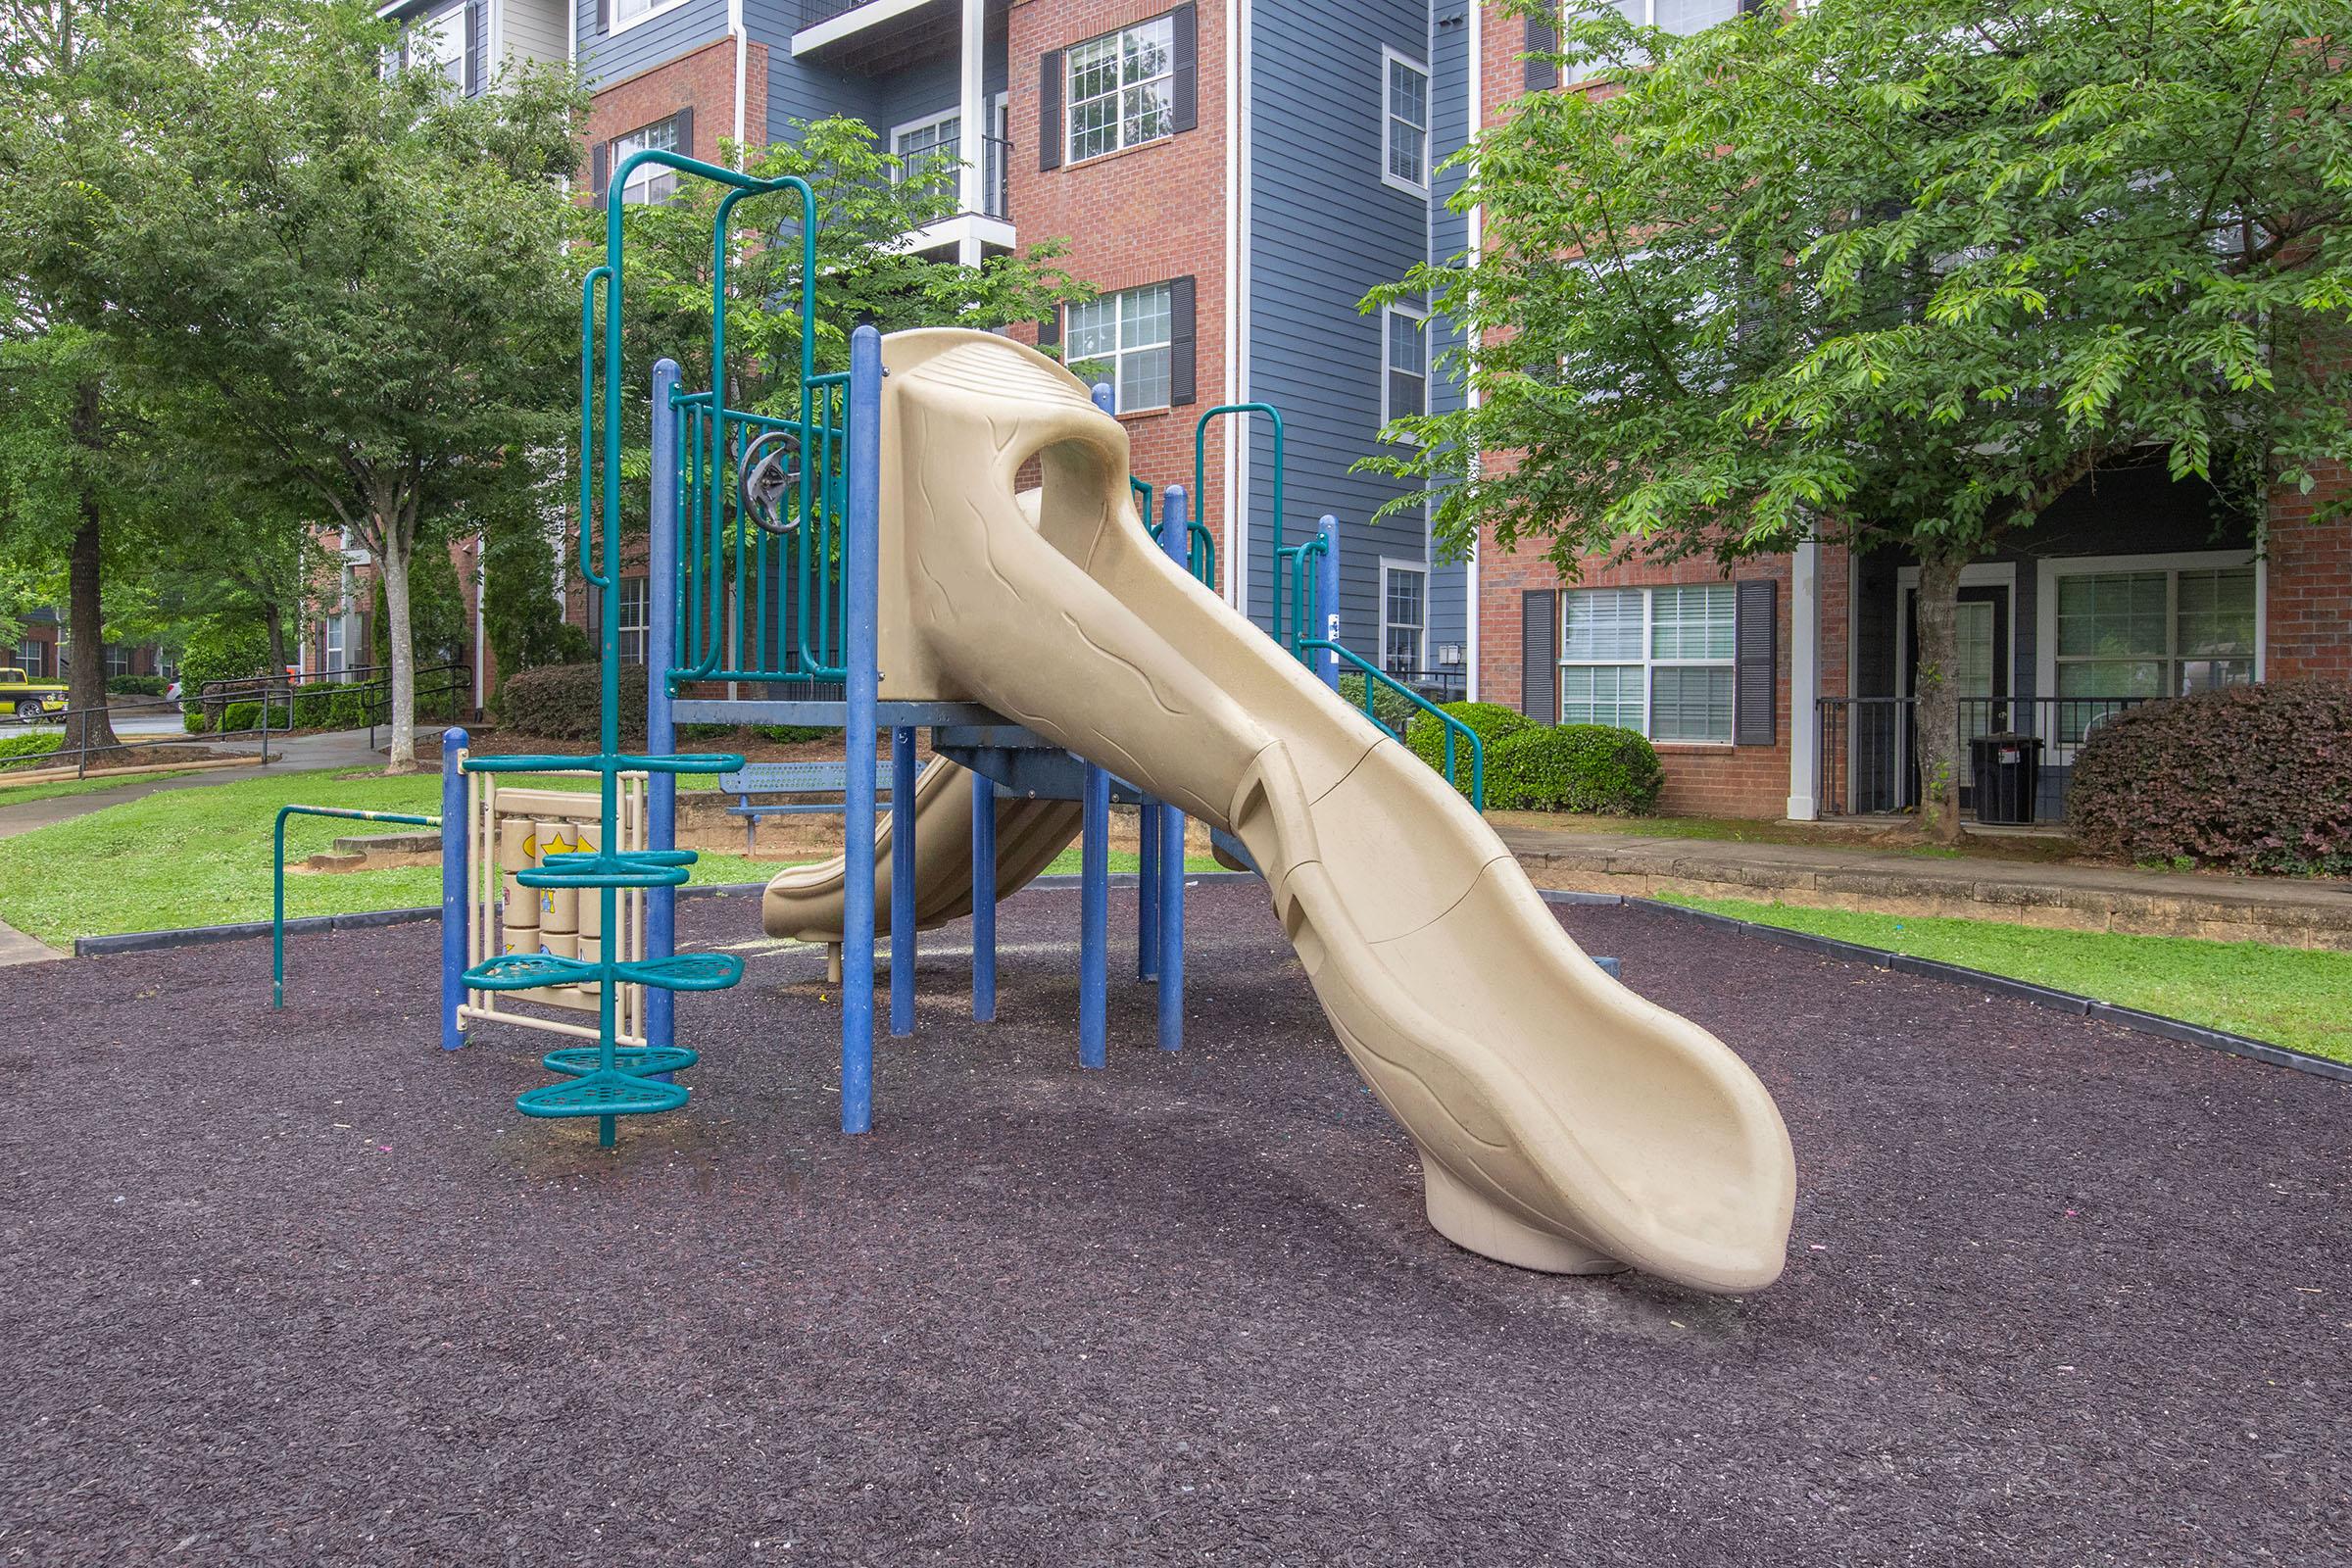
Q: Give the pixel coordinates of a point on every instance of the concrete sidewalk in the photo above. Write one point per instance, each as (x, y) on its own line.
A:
(2284, 911)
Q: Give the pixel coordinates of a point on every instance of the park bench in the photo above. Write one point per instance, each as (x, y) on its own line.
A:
(768, 780)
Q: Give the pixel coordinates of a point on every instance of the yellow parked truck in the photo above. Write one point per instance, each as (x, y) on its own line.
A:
(29, 700)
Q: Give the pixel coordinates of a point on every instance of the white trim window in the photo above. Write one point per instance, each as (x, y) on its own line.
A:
(930, 151)
(118, 660)
(438, 44)
(631, 623)
(1126, 339)
(334, 649)
(2154, 633)
(1404, 617)
(1403, 363)
(1404, 118)
(648, 184)
(1656, 661)
(1121, 89)
(627, 14)
(1680, 17)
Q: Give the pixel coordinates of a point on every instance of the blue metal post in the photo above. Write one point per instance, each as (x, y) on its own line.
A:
(1327, 594)
(1094, 919)
(661, 731)
(1146, 892)
(902, 880)
(862, 572)
(1105, 398)
(1175, 538)
(984, 899)
(456, 829)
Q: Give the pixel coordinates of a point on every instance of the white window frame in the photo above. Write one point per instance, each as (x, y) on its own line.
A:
(337, 653)
(621, 25)
(924, 122)
(644, 177)
(1649, 19)
(1390, 565)
(1649, 663)
(1120, 348)
(118, 652)
(640, 629)
(1388, 312)
(1390, 60)
(433, 32)
(2052, 568)
(1071, 99)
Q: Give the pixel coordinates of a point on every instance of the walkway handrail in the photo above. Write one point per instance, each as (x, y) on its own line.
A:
(277, 878)
(1373, 672)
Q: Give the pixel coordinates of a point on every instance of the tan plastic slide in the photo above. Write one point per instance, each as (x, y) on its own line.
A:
(1565, 1123)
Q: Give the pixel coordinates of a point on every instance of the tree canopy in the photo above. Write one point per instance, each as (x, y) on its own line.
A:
(1896, 273)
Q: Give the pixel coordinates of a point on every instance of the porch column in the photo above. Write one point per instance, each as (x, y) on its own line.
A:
(1805, 683)
(973, 127)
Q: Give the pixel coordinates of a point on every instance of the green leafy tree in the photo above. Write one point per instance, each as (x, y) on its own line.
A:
(1897, 274)
(364, 271)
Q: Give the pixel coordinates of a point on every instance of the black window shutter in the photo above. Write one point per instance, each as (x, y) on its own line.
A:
(477, 45)
(1755, 655)
(1050, 130)
(685, 119)
(1184, 87)
(1048, 330)
(1539, 655)
(1541, 74)
(600, 168)
(1181, 389)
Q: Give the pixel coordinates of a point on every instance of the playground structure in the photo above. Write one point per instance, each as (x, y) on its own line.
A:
(867, 561)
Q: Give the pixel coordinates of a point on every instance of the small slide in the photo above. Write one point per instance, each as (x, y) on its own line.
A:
(1565, 1123)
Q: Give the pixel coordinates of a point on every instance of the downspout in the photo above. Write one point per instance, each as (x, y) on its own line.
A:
(743, 56)
(1237, 302)
(1477, 233)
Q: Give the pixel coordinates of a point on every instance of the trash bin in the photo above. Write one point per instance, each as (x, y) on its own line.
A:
(2006, 770)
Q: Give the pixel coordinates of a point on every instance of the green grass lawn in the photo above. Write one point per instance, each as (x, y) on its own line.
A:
(2287, 996)
(201, 856)
(22, 792)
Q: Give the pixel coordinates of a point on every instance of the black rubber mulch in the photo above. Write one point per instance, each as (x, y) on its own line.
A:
(301, 1288)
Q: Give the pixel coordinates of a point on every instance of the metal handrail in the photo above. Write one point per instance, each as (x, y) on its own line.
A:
(1199, 537)
(1373, 672)
(277, 878)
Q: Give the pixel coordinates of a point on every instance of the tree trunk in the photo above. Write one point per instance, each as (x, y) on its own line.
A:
(394, 560)
(86, 615)
(1938, 713)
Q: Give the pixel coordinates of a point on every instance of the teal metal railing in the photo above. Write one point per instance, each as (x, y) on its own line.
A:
(277, 877)
(1376, 680)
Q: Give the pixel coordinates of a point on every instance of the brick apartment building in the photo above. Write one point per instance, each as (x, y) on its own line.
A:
(1234, 176)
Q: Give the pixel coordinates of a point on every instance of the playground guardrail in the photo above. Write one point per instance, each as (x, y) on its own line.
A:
(1376, 678)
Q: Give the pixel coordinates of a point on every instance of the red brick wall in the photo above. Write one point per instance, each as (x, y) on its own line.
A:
(704, 81)
(1143, 215)
(2310, 583)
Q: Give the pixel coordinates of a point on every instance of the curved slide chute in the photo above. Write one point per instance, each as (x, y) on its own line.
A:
(1565, 1123)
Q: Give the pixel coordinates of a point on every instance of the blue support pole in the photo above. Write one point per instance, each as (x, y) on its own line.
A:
(1094, 919)
(1327, 594)
(1175, 537)
(660, 730)
(984, 899)
(457, 825)
(902, 880)
(1146, 892)
(863, 580)
(1105, 398)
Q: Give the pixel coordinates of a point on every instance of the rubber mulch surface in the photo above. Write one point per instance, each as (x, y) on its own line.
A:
(302, 1288)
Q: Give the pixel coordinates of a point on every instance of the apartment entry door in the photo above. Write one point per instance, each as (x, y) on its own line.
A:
(1979, 669)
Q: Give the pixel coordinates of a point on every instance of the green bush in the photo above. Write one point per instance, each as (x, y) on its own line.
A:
(1489, 721)
(2246, 778)
(238, 716)
(1389, 707)
(223, 651)
(18, 748)
(136, 685)
(560, 703)
(792, 734)
(1574, 767)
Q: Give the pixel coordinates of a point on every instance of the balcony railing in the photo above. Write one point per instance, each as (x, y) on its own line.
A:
(942, 169)
(1870, 747)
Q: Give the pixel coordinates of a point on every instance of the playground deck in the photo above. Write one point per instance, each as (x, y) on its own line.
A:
(302, 1286)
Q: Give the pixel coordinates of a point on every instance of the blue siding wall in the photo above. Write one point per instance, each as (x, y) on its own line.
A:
(607, 58)
(1323, 229)
(796, 89)
(1449, 87)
